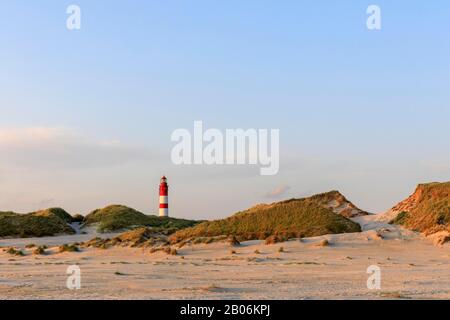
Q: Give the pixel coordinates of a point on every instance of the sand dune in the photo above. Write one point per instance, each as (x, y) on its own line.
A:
(411, 267)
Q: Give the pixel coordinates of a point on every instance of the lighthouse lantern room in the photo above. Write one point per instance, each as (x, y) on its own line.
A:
(163, 198)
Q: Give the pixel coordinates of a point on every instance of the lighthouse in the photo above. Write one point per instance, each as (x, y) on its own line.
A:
(163, 198)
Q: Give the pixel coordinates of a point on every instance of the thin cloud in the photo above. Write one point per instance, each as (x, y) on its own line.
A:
(13, 137)
(277, 192)
(64, 148)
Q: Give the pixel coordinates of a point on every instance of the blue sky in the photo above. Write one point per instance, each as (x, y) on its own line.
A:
(86, 115)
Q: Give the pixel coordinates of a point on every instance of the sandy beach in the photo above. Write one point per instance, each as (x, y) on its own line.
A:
(411, 267)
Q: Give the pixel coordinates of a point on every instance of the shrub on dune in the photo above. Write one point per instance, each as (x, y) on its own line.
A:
(68, 248)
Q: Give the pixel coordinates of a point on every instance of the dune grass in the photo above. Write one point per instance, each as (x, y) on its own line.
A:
(118, 217)
(294, 218)
(55, 212)
(16, 252)
(42, 223)
(68, 248)
(432, 211)
(40, 250)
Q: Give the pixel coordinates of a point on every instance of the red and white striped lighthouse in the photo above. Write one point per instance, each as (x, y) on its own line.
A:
(163, 198)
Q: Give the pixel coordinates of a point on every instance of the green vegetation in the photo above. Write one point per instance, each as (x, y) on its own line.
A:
(42, 223)
(78, 218)
(55, 221)
(118, 217)
(140, 237)
(15, 252)
(294, 218)
(55, 212)
(430, 212)
(68, 248)
(208, 240)
(40, 250)
(97, 243)
(400, 218)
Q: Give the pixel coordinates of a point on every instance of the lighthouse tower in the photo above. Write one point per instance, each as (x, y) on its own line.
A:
(163, 198)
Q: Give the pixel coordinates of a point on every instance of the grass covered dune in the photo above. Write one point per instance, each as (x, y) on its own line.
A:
(326, 213)
(56, 221)
(118, 217)
(427, 210)
(294, 218)
(42, 223)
